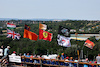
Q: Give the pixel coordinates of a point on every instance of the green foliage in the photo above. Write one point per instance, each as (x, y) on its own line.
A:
(24, 45)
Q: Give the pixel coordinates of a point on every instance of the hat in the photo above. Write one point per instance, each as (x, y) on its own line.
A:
(67, 57)
(8, 46)
(14, 51)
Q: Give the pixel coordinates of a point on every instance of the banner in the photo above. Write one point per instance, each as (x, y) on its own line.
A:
(42, 26)
(89, 44)
(64, 31)
(15, 59)
(63, 41)
(45, 35)
(30, 35)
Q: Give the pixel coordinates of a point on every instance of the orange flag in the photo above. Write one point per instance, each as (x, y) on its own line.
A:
(45, 35)
(30, 35)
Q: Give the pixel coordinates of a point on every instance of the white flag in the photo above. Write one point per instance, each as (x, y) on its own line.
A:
(63, 41)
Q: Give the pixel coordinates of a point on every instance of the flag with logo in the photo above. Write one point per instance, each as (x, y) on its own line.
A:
(63, 41)
(13, 34)
(27, 27)
(30, 35)
(89, 44)
(64, 31)
(45, 35)
(42, 26)
(11, 26)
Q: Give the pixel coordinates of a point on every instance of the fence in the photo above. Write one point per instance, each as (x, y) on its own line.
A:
(54, 62)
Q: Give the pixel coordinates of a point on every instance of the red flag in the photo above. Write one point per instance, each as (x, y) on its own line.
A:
(89, 44)
(45, 35)
(30, 35)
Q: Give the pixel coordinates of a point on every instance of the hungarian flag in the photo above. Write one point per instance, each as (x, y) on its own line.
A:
(45, 35)
(13, 34)
(64, 31)
(30, 35)
(63, 41)
(42, 26)
(11, 26)
(89, 44)
(27, 27)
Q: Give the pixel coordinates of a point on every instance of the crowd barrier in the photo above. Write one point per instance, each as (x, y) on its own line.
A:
(55, 63)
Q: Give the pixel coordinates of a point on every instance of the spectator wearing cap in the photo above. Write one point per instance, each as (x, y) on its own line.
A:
(14, 53)
(6, 51)
(66, 59)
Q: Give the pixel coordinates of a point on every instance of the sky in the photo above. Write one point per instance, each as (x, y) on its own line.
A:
(50, 9)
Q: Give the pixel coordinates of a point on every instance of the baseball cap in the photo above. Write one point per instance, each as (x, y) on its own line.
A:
(14, 51)
(8, 46)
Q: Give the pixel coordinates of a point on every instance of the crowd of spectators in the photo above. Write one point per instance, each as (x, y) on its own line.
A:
(65, 58)
(5, 52)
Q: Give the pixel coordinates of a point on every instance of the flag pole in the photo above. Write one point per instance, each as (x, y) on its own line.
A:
(77, 45)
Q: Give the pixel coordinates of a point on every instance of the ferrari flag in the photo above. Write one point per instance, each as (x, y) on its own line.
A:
(63, 41)
(45, 35)
(89, 44)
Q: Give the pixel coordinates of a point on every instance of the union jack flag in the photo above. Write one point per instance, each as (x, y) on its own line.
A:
(13, 34)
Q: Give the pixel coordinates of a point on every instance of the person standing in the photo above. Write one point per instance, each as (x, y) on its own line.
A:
(98, 59)
(14, 53)
(6, 51)
(1, 52)
(62, 56)
(71, 64)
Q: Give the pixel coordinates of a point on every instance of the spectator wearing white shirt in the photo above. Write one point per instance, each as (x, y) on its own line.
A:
(14, 53)
(1, 52)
